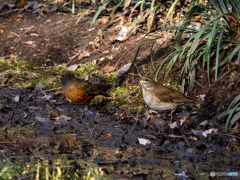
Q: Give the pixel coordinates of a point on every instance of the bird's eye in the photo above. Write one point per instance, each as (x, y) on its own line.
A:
(146, 79)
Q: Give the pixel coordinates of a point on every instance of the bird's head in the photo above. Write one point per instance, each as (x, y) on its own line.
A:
(146, 82)
(65, 77)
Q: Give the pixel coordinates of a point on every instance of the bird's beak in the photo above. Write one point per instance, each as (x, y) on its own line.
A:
(57, 75)
(140, 78)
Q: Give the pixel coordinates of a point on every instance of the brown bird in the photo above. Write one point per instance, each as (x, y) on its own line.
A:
(160, 98)
(78, 90)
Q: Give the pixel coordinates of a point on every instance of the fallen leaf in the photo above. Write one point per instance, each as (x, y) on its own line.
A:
(199, 133)
(123, 69)
(1, 31)
(107, 69)
(210, 151)
(135, 119)
(193, 138)
(29, 42)
(106, 135)
(66, 117)
(73, 67)
(173, 125)
(185, 122)
(105, 52)
(21, 4)
(144, 141)
(62, 116)
(232, 146)
(16, 98)
(210, 131)
(45, 8)
(110, 57)
(105, 20)
(83, 55)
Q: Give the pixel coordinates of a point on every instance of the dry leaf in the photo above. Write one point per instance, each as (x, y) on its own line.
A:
(106, 135)
(84, 54)
(104, 20)
(110, 57)
(45, 8)
(29, 42)
(105, 52)
(144, 141)
(135, 118)
(62, 116)
(185, 122)
(232, 146)
(1, 31)
(193, 138)
(21, 4)
(210, 151)
(107, 69)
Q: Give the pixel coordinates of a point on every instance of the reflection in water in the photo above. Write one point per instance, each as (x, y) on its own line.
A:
(27, 156)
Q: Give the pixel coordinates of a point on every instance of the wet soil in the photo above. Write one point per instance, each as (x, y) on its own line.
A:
(36, 124)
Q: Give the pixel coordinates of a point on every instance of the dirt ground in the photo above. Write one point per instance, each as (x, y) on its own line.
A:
(57, 39)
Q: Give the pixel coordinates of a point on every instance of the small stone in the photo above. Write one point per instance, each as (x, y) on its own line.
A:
(123, 69)
(73, 67)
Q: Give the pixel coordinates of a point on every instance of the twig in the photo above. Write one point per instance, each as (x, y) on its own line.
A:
(9, 12)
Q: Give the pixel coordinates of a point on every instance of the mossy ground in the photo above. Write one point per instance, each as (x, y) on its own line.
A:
(28, 74)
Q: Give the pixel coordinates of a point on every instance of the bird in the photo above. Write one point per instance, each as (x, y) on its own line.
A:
(77, 90)
(160, 98)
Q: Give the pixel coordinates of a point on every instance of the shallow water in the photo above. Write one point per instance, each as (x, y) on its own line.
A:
(25, 155)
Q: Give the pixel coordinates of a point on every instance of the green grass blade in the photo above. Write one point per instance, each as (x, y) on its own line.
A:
(83, 15)
(126, 3)
(135, 59)
(199, 34)
(171, 63)
(229, 58)
(171, 54)
(222, 5)
(115, 8)
(230, 115)
(192, 78)
(101, 8)
(236, 99)
(217, 56)
(208, 48)
(170, 10)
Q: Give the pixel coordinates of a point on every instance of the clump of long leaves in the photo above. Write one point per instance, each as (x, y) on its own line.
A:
(232, 108)
(221, 19)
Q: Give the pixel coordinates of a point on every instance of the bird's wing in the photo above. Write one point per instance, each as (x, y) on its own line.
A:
(170, 95)
(89, 89)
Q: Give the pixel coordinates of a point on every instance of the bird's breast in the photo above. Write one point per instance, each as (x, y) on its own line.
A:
(153, 102)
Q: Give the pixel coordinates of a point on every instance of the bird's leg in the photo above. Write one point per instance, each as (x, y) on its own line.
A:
(171, 116)
(147, 112)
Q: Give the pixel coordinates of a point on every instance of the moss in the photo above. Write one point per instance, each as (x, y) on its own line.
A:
(88, 67)
(111, 77)
(118, 90)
